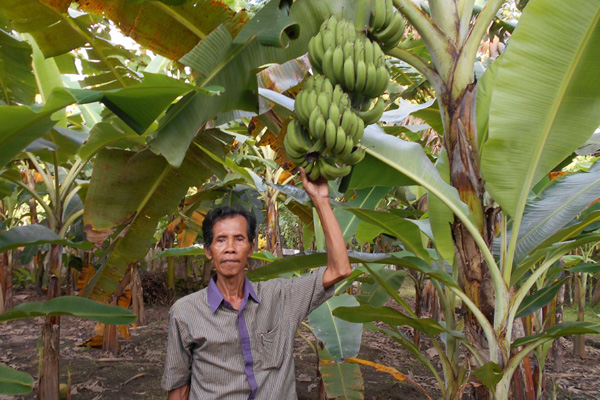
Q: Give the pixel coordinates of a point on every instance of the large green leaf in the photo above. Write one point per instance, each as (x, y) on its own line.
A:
(21, 125)
(341, 338)
(545, 102)
(14, 382)
(140, 188)
(374, 293)
(557, 206)
(16, 78)
(368, 313)
(29, 235)
(108, 135)
(411, 161)
(363, 198)
(46, 21)
(235, 70)
(399, 227)
(342, 380)
(74, 306)
(564, 329)
(171, 31)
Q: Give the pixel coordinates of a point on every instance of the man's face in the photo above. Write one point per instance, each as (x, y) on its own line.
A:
(230, 248)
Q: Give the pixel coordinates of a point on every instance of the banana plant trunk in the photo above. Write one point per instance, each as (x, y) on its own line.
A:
(49, 374)
(6, 298)
(272, 232)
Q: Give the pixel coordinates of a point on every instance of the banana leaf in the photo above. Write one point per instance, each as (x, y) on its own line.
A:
(545, 98)
(141, 188)
(342, 380)
(16, 77)
(564, 329)
(74, 306)
(363, 198)
(556, 207)
(30, 235)
(341, 338)
(13, 382)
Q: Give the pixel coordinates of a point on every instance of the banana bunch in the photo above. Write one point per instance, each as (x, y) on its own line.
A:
(356, 63)
(387, 24)
(332, 34)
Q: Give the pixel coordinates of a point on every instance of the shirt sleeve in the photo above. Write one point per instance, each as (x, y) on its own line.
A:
(178, 363)
(305, 293)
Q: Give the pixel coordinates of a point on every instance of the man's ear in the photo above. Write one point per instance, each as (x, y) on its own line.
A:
(208, 253)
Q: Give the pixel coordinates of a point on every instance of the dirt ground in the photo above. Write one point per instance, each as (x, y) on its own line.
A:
(137, 371)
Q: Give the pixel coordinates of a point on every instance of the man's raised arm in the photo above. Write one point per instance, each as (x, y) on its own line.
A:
(338, 265)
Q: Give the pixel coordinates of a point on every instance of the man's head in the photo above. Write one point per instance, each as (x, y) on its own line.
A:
(225, 212)
(229, 239)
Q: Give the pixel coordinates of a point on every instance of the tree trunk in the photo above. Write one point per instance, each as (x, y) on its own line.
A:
(49, 374)
(596, 293)
(171, 279)
(579, 340)
(272, 232)
(6, 297)
(137, 297)
(557, 344)
(460, 142)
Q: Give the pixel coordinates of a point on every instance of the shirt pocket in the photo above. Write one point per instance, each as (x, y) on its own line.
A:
(273, 345)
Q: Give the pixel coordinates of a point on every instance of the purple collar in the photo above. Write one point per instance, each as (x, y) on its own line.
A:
(215, 298)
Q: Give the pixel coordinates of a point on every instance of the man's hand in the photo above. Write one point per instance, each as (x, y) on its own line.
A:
(317, 190)
(338, 265)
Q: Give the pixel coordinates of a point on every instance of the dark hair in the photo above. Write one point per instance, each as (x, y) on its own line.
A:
(224, 212)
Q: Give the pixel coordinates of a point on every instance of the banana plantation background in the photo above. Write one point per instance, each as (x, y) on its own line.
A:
(478, 187)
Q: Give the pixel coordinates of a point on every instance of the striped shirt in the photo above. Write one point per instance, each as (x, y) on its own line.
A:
(206, 347)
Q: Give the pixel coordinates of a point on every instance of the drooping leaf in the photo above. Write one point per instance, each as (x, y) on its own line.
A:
(484, 96)
(341, 338)
(17, 82)
(13, 382)
(108, 135)
(71, 305)
(532, 303)
(46, 22)
(489, 374)
(564, 329)
(141, 188)
(406, 108)
(342, 380)
(374, 293)
(171, 31)
(557, 206)
(589, 268)
(364, 198)
(410, 160)
(368, 313)
(402, 229)
(30, 235)
(543, 107)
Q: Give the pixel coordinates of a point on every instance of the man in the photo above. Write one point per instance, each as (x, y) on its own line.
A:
(235, 339)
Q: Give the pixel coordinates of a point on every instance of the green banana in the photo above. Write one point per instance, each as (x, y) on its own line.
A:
(383, 79)
(334, 113)
(327, 87)
(324, 101)
(359, 50)
(312, 121)
(390, 11)
(348, 49)
(318, 49)
(373, 115)
(315, 173)
(312, 55)
(354, 157)
(330, 135)
(349, 77)
(320, 125)
(299, 105)
(338, 64)
(371, 81)
(348, 121)
(361, 76)
(332, 172)
(338, 94)
(328, 40)
(368, 51)
(378, 15)
(311, 102)
(328, 66)
(340, 140)
(347, 147)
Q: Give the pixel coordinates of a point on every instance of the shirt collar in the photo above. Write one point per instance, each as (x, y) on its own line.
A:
(215, 298)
